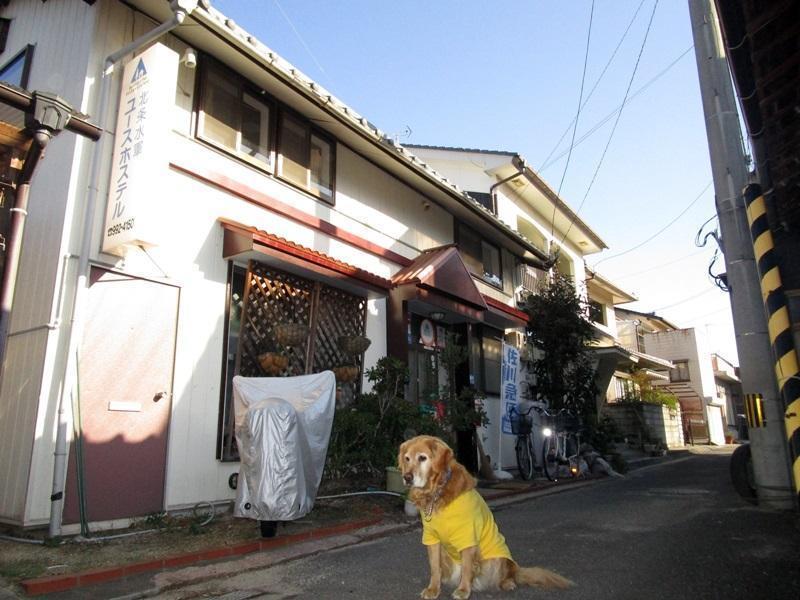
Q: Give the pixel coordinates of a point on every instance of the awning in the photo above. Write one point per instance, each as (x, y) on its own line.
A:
(625, 356)
(242, 242)
(442, 271)
(503, 316)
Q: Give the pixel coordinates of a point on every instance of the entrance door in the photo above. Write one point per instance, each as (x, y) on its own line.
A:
(125, 390)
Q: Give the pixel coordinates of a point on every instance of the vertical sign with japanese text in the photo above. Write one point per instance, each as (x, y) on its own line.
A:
(140, 149)
(509, 383)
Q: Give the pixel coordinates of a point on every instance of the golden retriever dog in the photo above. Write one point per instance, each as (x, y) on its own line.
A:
(465, 547)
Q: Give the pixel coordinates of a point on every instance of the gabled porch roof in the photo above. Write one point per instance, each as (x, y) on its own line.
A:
(443, 271)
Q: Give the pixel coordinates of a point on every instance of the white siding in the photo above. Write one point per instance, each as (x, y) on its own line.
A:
(61, 32)
(193, 256)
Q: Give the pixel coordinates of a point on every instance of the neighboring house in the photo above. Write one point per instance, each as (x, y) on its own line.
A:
(729, 390)
(512, 191)
(691, 377)
(617, 355)
(231, 194)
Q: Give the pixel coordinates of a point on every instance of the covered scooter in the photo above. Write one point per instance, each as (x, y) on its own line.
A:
(283, 426)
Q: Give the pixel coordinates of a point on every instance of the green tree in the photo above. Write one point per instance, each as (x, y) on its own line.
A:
(560, 332)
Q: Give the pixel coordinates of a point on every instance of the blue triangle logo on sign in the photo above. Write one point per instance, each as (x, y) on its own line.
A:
(139, 72)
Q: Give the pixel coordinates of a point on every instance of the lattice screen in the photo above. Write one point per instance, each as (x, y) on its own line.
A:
(272, 297)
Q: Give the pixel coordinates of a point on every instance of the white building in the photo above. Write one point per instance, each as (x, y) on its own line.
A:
(230, 194)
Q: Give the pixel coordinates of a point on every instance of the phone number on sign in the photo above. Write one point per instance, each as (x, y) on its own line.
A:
(120, 227)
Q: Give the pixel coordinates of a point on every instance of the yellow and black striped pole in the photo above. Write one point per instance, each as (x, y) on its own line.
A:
(787, 370)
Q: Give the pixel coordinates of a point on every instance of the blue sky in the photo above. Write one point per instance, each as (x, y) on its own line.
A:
(506, 75)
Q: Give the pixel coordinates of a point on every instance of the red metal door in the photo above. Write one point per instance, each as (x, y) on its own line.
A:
(125, 382)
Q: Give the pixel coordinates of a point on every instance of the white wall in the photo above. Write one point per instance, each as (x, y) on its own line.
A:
(370, 203)
(691, 345)
(60, 32)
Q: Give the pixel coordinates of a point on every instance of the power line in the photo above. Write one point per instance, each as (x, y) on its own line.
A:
(660, 231)
(299, 37)
(711, 289)
(659, 266)
(616, 122)
(577, 115)
(596, 83)
(610, 115)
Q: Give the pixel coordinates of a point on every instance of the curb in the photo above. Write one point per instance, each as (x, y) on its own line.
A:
(60, 583)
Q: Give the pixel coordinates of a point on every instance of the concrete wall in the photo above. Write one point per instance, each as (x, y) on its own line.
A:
(662, 423)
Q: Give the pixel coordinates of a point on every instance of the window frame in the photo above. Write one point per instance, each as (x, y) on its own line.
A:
(243, 86)
(461, 230)
(490, 335)
(310, 131)
(675, 372)
(597, 312)
(277, 113)
(26, 55)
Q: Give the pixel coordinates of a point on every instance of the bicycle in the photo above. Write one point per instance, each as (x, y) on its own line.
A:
(522, 427)
(562, 442)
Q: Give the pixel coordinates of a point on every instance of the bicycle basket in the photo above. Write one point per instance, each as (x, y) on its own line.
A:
(521, 424)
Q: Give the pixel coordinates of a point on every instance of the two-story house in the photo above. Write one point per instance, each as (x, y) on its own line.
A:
(692, 375)
(229, 201)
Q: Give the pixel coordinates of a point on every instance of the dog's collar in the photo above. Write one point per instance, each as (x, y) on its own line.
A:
(437, 494)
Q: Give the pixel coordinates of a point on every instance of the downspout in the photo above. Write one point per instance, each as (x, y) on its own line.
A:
(497, 184)
(181, 9)
(45, 117)
(544, 261)
(18, 214)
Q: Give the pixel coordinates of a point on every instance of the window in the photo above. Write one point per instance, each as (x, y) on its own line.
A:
(234, 117)
(5, 25)
(17, 70)
(485, 200)
(241, 119)
(596, 312)
(680, 372)
(305, 157)
(261, 297)
(492, 354)
(481, 257)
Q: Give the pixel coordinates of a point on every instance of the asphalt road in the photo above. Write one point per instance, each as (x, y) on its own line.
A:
(675, 530)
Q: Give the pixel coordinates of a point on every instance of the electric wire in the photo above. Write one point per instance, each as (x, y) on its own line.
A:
(659, 266)
(616, 122)
(299, 37)
(610, 115)
(719, 280)
(706, 291)
(599, 79)
(660, 231)
(577, 115)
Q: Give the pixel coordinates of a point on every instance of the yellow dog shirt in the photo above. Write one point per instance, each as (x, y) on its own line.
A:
(464, 523)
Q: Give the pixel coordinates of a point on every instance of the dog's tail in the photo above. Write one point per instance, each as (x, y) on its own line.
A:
(537, 576)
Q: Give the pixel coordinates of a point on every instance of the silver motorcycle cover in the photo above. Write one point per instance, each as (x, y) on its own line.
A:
(282, 426)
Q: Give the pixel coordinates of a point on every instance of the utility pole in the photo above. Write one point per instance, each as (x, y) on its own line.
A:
(768, 446)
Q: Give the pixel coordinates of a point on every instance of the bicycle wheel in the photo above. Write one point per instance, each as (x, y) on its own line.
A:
(524, 459)
(550, 456)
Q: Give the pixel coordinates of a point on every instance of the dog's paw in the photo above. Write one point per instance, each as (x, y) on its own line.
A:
(461, 594)
(429, 593)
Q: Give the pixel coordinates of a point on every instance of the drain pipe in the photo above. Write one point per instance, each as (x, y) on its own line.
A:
(544, 261)
(181, 9)
(18, 214)
(497, 184)
(46, 115)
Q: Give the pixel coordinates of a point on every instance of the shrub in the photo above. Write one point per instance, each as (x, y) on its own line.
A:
(367, 433)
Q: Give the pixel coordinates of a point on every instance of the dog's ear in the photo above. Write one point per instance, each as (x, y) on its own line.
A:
(442, 455)
(400, 454)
